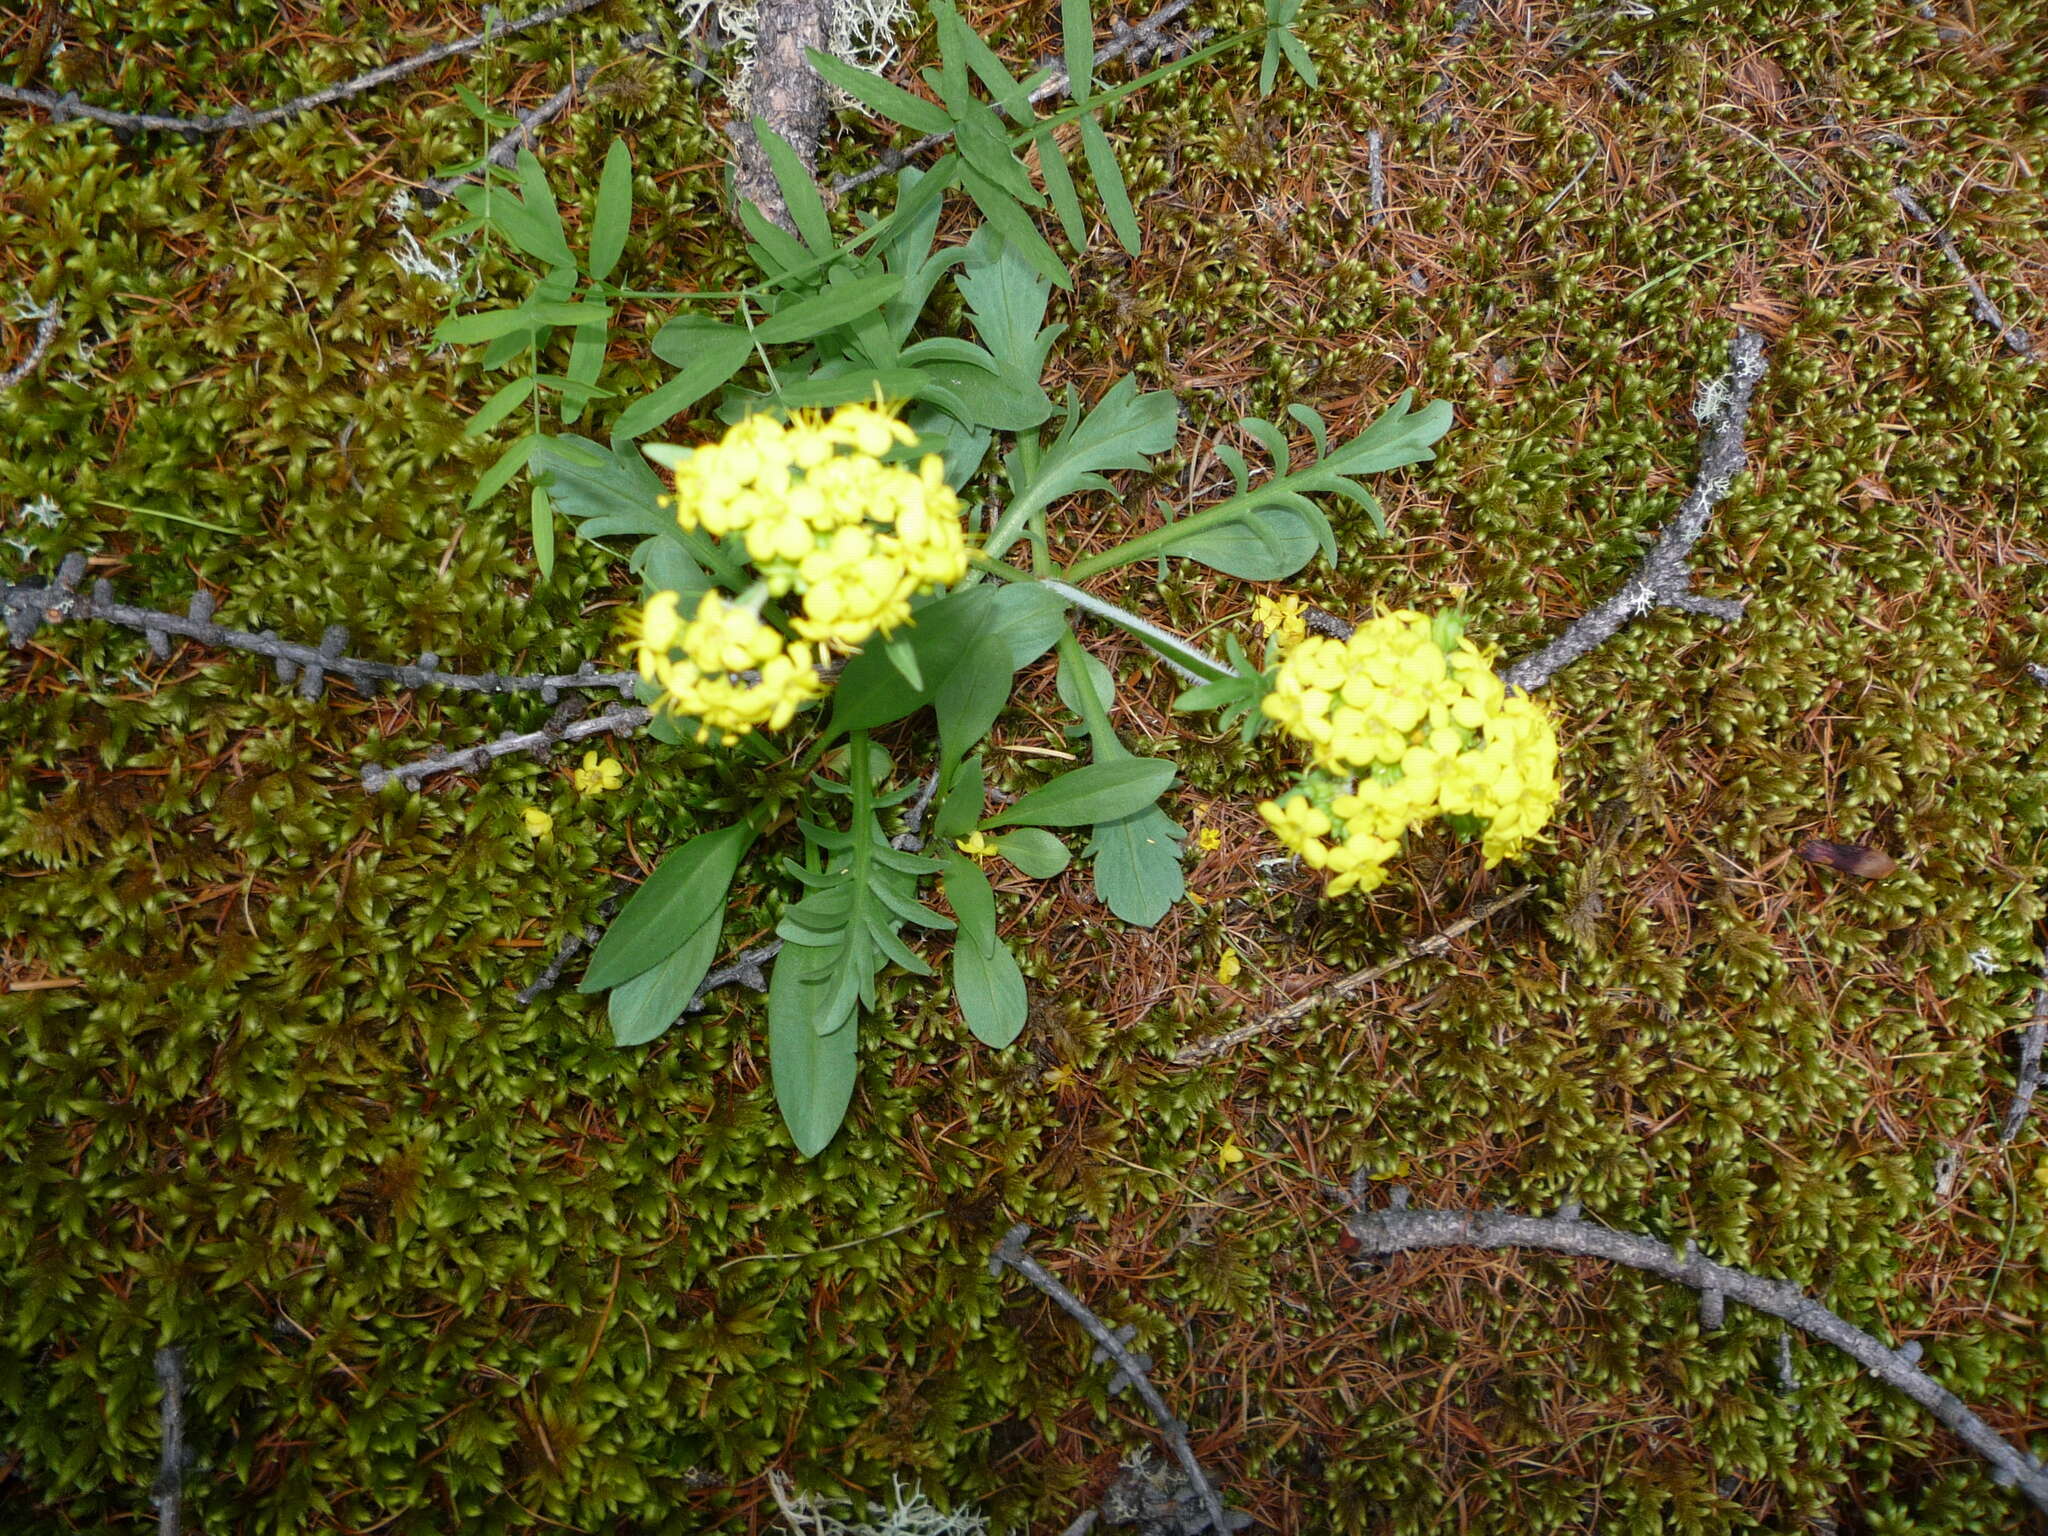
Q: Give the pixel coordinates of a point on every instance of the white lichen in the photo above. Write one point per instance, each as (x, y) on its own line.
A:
(863, 34)
(1984, 962)
(904, 1514)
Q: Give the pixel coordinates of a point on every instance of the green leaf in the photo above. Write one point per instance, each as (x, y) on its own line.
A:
(1035, 851)
(1077, 35)
(1109, 186)
(1273, 440)
(814, 1072)
(1297, 55)
(500, 474)
(985, 145)
(467, 330)
(1122, 432)
(1014, 96)
(986, 982)
(1098, 792)
(540, 202)
(685, 892)
(810, 318)
(1014, 225)
(643, 1008)
(961, 807)
(1261, 544)
(973, 901)
(879, 95)
(903, 657)
(1396, 437)
(1317, 430)
(501, 404)
(542, 523)
(1137, 865)
(717, 359)
(572, 314)
(1059, 186)
(586, 361)
(799, 191)
(613, 219)
(1026, 618)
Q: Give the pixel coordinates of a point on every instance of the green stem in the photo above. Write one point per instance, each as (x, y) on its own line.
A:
(863, 806)
(1156, 542)
(1093, 715)
(1189, 660)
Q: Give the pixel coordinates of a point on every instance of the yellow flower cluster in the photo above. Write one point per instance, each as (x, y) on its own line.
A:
(1405, 721)
(823, 517)
(734, 673)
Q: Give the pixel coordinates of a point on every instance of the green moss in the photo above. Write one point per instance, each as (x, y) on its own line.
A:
(443, 1263)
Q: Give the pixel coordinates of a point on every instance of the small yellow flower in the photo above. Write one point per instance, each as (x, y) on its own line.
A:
(975, 846)
(1209, 839)
(1228, 967)
(1282, 620)
(595, 777)
(1229, 1154)
(538, 822)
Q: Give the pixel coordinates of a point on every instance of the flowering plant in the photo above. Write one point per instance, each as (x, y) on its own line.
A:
(809, 581)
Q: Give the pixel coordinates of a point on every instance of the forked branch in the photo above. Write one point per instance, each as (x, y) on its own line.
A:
(1381, 1234)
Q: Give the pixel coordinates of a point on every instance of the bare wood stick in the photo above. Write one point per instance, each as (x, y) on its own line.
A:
(1287, 1018)
(27, 609)
(2015, 339)
(1400, 1230)
(65, 107)
(1111, 1344)
(47, 320)
(1139, 38)
(2030, 1067)
(1376, 175)
(787, 96)
(168, 1494)
(1664, 579)
(622, 720)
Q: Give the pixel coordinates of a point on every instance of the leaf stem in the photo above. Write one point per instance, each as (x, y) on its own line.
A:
(1183, 656)
(1156, 541)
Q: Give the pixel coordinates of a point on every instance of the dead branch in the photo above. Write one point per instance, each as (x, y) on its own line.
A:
(1287, 1018)
(47, 319)
(557, 733)
(64, 108)
(787, 96)
(2015, 339)
(547, 980)
(1113, 1344)
(2030, 1067)
(1664, 579)
(1139, 39)
(27, 609)
(1381, 1234)
(167, 1495)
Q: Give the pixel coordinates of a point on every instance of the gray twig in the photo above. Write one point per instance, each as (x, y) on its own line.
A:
(1112, 1344)
(622, 719)
(523, 134)
(48, 318)
(2015, 339)
(1664, 579)
(65, 107)
(1401, 1230)
(2030, 1066)
(167, 1495)
(1282, 1019)
(572, 946)
(28, 608)
(1376, 175)
(1138, 39)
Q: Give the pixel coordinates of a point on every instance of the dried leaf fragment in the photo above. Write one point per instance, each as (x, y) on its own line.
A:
(1849, 858)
